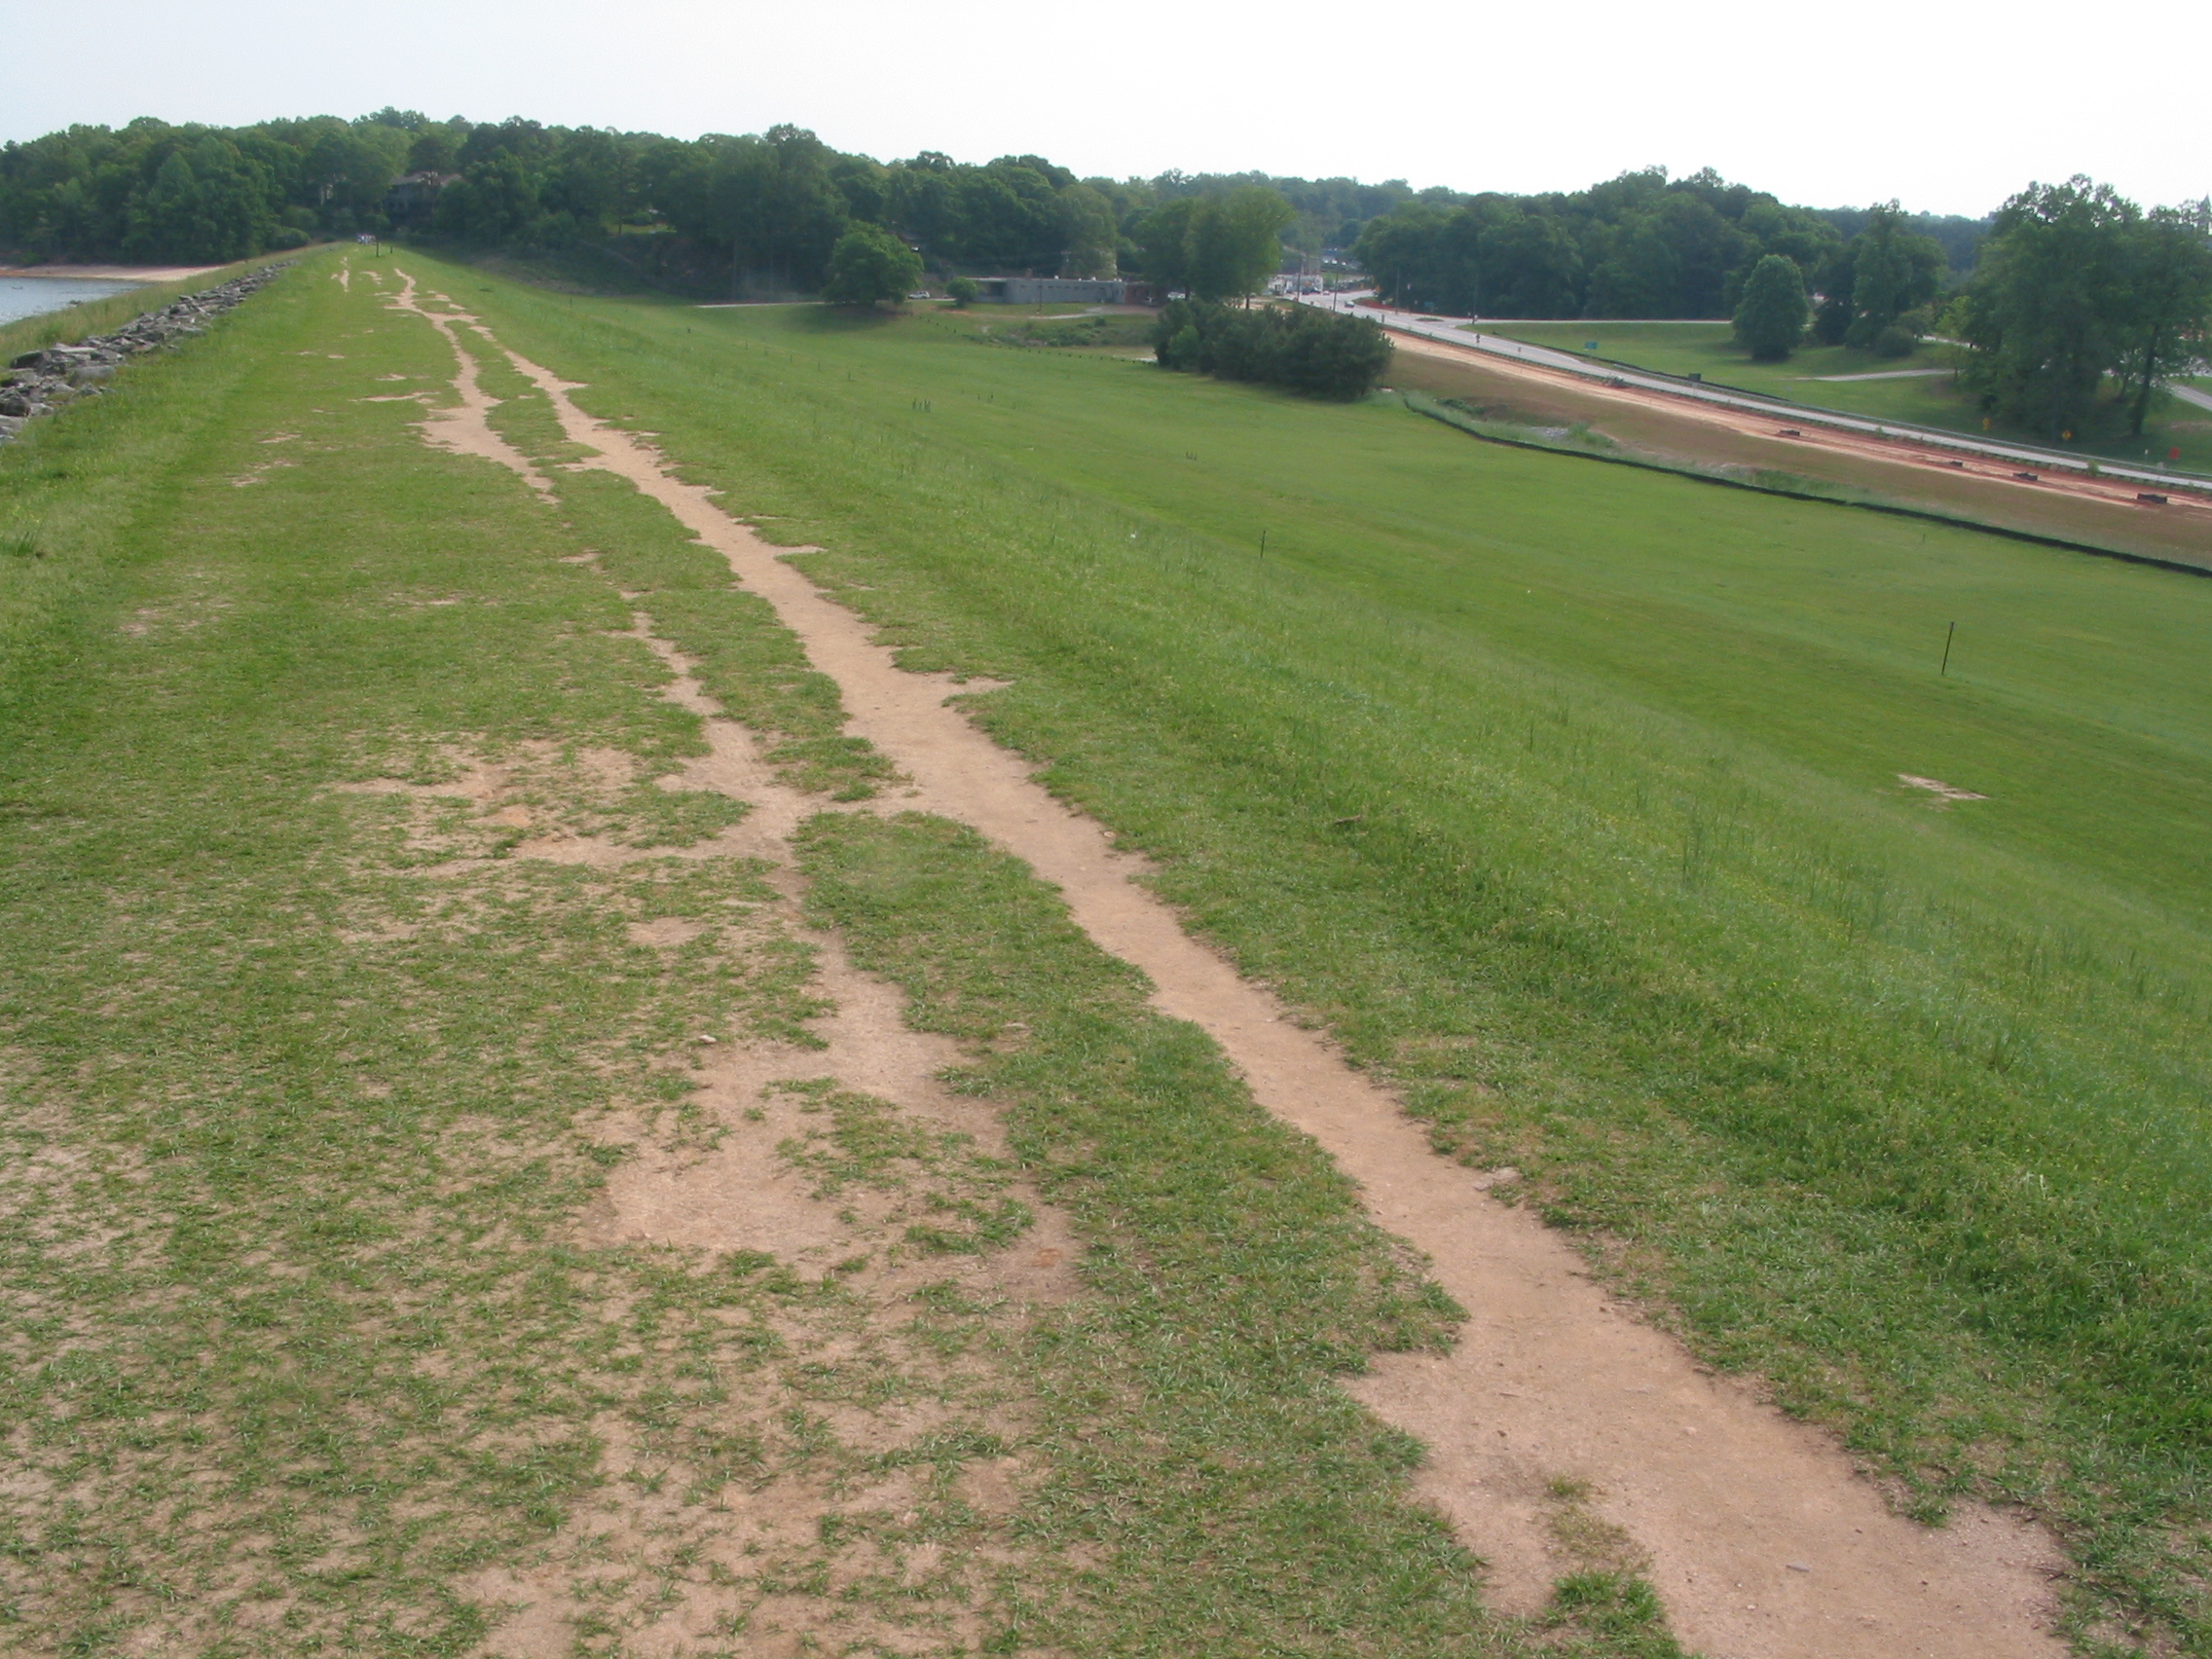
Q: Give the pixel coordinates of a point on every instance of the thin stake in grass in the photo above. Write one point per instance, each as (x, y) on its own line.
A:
(1949, 635)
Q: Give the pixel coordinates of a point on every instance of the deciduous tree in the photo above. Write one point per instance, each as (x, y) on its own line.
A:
(2047, 315)
(870, 265)
(1770, 317)
(2169, 314)
(1894, 271)
(1235, 243)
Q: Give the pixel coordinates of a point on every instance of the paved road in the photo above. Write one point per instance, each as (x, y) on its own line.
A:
(2189, 395)
(1451, 332)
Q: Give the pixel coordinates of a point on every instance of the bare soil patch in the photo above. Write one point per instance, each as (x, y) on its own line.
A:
(2193, 509)
(858, 1493)
(1761, 1537)
(1944, 794)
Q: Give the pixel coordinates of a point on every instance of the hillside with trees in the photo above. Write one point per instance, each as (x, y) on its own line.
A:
(2072, 303)
(1639, 245)
(763, 212)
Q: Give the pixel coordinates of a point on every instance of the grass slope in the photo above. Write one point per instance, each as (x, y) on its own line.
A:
(306, 1097)
(1710, 348)
(1568, 798)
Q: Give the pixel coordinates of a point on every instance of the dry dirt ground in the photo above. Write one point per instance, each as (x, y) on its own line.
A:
(1560, 1426)
(2193, 508)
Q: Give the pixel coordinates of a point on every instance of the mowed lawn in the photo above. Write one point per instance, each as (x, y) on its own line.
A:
(1570, 797)
(1710, 348)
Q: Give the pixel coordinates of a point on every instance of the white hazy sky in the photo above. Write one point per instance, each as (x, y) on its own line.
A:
(1950, 107)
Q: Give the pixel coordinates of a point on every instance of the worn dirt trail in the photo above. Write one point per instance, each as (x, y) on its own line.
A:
(1762, 1541)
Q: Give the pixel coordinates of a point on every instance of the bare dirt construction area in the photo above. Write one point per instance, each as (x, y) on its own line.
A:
(2058, 502)
(1560, 1431)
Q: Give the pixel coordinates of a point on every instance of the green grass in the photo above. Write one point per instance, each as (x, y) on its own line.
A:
(299, 1340)
(306, 1097)
(1568, 798)
(1710, 348)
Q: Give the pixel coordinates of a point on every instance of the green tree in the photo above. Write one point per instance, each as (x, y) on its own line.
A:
(2168, 316)
(2047, 314)
(1831, 283)
(1770, 318)
(206, 202)
(963, 290)
(1230, 244)
(496, 200)
(1806, 238)
(1400, 249)
(870, 265)
(1894, 271)
(1089, 234)
(436, 148)
(1531, 268)
(1671, 258)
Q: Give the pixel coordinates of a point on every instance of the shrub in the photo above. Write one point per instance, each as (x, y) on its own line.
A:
(1315, 353)
(964, 290)
(1902, 336)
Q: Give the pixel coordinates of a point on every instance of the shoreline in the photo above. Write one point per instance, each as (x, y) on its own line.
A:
(110, 273)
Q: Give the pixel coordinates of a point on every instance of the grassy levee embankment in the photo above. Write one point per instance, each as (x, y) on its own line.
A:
(316, 1075)
(1568, 798)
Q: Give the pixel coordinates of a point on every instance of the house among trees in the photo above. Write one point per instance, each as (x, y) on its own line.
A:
(413, 196)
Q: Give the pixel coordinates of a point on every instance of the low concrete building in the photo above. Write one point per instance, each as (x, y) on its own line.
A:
(1061, 291)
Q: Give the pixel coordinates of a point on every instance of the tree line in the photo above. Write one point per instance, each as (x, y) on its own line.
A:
(1639, 245)
(766, 210)
(2075, 300)
(770, 207)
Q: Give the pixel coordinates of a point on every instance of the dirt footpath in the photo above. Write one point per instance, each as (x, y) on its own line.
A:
(747, 1180)
(1558, 1409)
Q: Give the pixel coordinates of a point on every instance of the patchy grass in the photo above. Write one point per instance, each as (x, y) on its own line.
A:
(1571, 803)
(308, 1075)
(322, 1077)
(1236, 1502)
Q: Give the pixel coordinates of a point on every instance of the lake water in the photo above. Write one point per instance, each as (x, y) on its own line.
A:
(30, 296)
